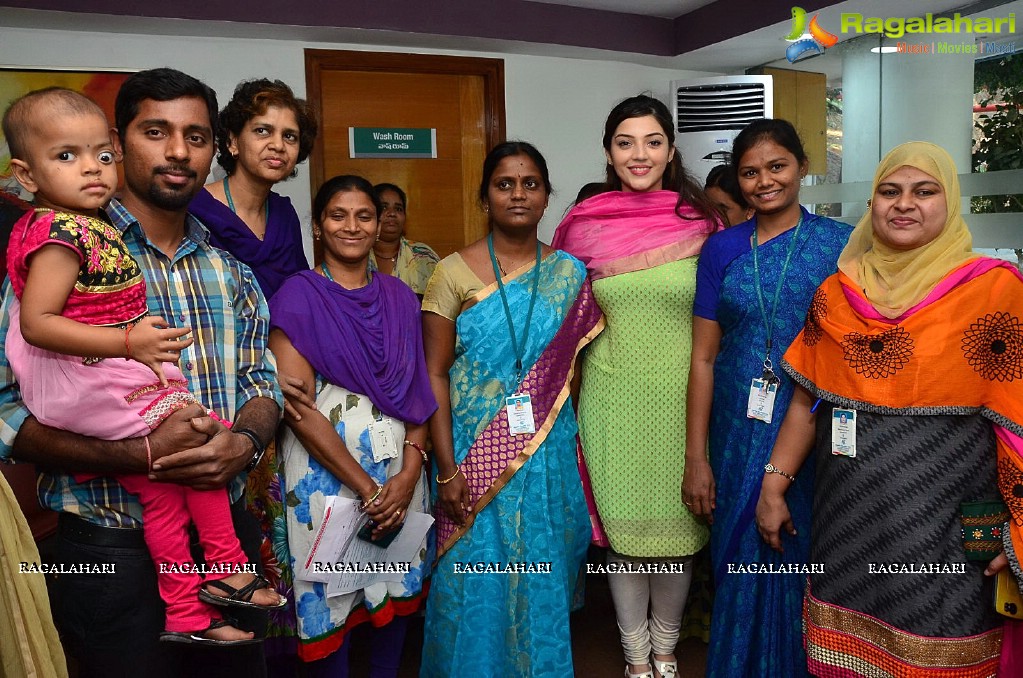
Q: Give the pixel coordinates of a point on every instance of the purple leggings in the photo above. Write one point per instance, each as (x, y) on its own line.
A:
(386, 644)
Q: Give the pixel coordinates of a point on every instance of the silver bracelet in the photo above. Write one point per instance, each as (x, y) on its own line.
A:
(771, 468)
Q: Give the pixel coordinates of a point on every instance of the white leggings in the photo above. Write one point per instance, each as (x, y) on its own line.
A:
(664, 595)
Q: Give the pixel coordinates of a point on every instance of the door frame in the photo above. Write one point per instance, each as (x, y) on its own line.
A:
(319, 60)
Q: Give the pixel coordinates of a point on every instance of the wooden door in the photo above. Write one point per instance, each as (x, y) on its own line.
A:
(462, 98)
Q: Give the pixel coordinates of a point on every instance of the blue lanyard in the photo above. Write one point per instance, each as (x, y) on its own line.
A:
(328, 276)
(230, 203)
(518, 349)
(769, 321)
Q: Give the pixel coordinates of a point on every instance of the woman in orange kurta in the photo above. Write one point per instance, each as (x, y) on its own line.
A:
(910, 363)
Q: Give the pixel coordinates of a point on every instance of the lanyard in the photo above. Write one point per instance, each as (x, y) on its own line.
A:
(519, 350)
(328, 276)
(769, 321)
(230, 202)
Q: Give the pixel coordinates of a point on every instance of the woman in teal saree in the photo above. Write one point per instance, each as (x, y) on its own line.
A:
(503, 321)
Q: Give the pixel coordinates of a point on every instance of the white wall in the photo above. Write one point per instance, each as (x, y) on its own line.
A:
(558, 104)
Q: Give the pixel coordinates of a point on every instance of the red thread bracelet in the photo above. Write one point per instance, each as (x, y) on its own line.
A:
(418, 447)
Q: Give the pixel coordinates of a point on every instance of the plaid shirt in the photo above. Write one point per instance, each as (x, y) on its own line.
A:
(202, 288)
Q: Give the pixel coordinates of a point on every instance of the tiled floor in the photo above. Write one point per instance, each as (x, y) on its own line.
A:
(595, 643)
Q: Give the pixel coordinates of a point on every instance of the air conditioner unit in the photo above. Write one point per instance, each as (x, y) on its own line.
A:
(709, 112)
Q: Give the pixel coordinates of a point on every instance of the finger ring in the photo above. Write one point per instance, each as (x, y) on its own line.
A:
(397, 512)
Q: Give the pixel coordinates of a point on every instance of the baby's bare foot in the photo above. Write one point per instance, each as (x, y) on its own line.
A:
(228, 633)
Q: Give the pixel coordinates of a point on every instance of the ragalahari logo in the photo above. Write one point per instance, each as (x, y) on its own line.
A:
(804, 46)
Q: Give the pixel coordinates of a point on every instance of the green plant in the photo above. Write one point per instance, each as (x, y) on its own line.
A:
(1000, 146)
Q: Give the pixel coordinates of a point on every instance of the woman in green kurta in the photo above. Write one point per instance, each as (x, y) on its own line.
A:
(639, 242)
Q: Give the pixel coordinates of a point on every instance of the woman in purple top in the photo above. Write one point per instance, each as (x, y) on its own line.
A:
(265, 131)
(353, 338)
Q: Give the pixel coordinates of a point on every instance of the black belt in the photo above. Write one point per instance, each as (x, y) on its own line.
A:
(79, 530)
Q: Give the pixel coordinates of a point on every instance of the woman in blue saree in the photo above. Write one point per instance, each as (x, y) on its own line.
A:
(755, 282)
(503, 321)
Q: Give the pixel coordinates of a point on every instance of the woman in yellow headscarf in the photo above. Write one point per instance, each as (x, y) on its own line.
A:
(911, 363)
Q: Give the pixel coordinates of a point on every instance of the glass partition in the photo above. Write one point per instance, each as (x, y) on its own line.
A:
(961, 91)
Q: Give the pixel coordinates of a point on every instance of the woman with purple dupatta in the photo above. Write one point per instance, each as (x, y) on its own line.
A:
(503, 321)
(265, 133)
(354, 339)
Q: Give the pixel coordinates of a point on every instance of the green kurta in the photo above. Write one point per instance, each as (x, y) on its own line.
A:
(632, 410)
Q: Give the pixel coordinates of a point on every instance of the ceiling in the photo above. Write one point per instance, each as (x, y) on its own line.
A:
(719, 36)
(666, 9)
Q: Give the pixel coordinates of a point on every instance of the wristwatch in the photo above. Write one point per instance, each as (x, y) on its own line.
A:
(771, 468)
(258, 448)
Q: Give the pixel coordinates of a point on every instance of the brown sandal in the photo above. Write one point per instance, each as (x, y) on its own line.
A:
(197, 637)
(239, 597)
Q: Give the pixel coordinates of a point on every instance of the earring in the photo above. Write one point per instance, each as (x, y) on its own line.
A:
(316, 235)
(868, 202)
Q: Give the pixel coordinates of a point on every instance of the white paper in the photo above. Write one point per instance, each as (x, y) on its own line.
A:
(345, 563)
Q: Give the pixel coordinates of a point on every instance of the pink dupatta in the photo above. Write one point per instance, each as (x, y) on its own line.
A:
(618, 232)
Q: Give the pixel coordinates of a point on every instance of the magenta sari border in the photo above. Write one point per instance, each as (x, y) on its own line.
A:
(496, 455)
(969, 271)
(642, 261)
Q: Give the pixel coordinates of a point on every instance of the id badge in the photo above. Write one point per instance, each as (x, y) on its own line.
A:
(381, 440)
(761, 400)
(843, 432)
(520, 414)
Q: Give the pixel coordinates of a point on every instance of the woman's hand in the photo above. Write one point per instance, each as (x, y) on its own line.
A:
(152, 343)
(1000, 562)
(390, 508)
(773, 515)
(454, 499)
(295, 390)
(698, 491)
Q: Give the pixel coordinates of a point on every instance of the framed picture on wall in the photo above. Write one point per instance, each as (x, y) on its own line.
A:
(99, 85)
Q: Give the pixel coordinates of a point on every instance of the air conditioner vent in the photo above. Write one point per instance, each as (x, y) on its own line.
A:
(709, 112)
(721, 106)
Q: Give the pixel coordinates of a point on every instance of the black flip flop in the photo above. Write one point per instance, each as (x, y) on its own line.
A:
(238, 597)
(196, 637)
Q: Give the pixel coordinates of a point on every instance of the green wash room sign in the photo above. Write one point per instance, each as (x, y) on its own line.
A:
(392, 142)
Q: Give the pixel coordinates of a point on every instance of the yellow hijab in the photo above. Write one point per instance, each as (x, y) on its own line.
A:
(892, 280)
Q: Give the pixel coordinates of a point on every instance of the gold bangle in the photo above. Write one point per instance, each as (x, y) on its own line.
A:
(380, 488)
(418, 447)
(448, 480)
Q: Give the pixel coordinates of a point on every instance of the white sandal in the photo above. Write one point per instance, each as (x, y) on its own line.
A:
(665, 669)
(644, 674)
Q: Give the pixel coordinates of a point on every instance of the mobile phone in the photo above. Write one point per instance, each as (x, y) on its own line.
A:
(1008, 601)
(366, 534)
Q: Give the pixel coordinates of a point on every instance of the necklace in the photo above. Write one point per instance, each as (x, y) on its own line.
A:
(230, 205)
(393, 260)
(500, 266)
